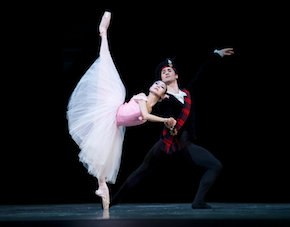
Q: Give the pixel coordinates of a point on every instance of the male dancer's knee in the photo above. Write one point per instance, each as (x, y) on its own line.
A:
(138, 174)
(217, 167)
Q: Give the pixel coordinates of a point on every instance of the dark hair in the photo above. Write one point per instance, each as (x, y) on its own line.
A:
(168, 63)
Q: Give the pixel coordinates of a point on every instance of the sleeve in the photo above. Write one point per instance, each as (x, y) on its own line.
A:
(140, 97)
(208, 65)
(164, 108)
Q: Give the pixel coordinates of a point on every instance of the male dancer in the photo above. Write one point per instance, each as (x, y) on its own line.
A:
(178, 140)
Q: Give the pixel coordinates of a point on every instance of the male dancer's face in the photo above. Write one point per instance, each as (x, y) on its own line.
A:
(168, 75)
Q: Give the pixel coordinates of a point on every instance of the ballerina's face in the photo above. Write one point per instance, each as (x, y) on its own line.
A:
(158, 88)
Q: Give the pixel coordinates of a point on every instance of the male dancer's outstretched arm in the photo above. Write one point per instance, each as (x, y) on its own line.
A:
(165, 108)
(208, 64)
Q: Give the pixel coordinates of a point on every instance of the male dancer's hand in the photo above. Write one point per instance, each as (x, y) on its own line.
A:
(170, 123)
(227, 51)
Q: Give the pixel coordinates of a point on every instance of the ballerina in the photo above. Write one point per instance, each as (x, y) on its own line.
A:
(97, 115)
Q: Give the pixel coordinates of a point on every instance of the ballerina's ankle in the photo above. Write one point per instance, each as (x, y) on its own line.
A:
(103, 34)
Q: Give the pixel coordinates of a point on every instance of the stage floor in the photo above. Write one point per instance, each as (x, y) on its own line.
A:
(167, 214)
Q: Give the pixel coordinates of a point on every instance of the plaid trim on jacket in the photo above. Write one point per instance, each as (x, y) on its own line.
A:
(170, 143)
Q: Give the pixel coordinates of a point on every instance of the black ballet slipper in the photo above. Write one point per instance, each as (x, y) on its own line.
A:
(114, 202)
(200, 206)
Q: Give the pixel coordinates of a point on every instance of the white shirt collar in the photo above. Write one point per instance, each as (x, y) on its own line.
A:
(179, 96)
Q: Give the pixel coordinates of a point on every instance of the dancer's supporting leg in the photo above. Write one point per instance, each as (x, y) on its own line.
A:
(103, 192)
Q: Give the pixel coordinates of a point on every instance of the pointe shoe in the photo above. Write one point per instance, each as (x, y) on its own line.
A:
(105, 198)
(104, 23)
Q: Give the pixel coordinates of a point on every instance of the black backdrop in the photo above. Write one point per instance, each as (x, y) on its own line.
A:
(239, 106)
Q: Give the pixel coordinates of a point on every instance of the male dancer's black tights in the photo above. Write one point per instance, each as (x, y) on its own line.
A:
(190, 153)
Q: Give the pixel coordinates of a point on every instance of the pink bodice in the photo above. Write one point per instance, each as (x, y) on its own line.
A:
(129, 114)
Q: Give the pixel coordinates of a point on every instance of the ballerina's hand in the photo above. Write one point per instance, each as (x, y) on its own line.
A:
(175, 121)
(170, 122)
(167, 123)
(174, 131)
(165, 97)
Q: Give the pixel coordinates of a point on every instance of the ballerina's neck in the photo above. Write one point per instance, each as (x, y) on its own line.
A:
(152, 99)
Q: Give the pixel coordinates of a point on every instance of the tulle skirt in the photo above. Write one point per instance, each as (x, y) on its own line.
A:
(91, 116)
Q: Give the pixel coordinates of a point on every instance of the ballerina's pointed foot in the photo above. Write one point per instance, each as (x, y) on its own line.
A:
(105, 198)
(105, 23)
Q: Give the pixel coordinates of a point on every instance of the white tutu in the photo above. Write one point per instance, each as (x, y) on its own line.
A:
(91, 116)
